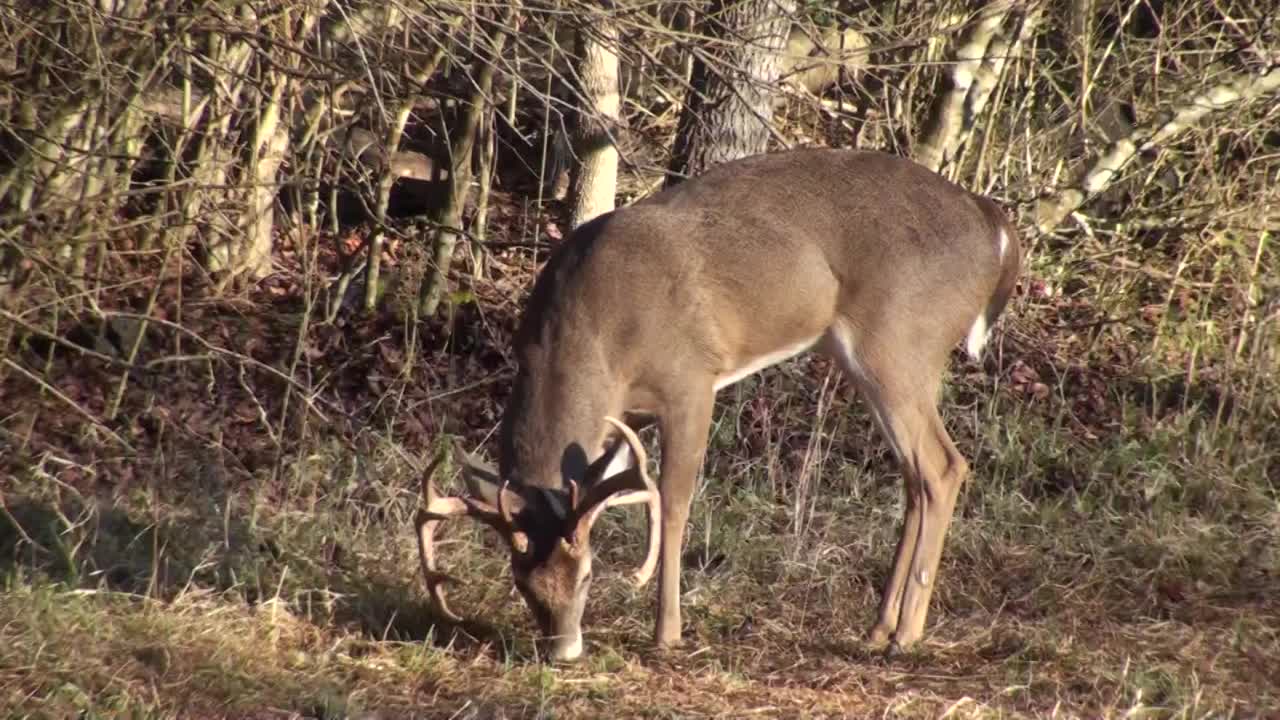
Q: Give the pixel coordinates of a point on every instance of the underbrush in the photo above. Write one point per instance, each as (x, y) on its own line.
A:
(229, 533)
(1127, 572)
(209, 465)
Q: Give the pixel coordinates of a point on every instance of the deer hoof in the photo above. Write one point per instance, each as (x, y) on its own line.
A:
(880, 634)
(640, 578)
(669, 643)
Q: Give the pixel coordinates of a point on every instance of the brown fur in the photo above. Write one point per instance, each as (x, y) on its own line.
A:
(883, 263)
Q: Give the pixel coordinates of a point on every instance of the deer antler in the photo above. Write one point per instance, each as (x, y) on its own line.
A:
(650, 497)
(437, 510)
(624, 488)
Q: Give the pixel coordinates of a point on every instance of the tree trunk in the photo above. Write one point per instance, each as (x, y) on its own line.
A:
(729, 110)
(484, 167)
(267, 151)
(449, 220)
(595, 172)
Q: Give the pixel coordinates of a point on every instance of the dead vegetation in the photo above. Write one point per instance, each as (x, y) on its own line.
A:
(209, 480)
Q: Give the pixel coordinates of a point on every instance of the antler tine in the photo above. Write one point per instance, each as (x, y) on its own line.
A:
(637, 448)
(503, 510)
(438, 509)
(621, 489)
(573, 494)
(518, 540)
(435, 579)
(653, 507)
(649, 496)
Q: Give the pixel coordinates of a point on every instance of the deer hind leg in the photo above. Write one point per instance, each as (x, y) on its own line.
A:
(891, 597)
(896, 423)
(933, 470)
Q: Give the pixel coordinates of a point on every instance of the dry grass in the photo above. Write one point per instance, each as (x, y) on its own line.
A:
(1124, 597)
(215, 522)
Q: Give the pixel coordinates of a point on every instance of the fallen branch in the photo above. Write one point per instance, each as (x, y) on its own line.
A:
(1237, 90)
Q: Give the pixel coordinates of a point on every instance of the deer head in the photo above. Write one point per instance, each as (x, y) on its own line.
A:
(547, 532)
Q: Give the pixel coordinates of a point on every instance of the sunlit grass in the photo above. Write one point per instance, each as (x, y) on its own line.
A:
(1081, 578)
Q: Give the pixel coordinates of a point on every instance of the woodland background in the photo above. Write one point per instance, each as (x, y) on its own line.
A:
(259, 260)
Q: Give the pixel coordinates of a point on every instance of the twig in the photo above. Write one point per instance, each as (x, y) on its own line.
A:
(307, 394)
(1235, 90)
(74, 405)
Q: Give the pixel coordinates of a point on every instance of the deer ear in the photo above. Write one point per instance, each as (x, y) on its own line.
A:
(481, 479)
(614, 460)
(474, 468)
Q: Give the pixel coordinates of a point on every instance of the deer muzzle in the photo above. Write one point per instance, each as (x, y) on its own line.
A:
(565, 648)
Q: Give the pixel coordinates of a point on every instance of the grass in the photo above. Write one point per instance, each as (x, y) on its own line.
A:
(183, 540)
(1115, 554)
(1114, 578)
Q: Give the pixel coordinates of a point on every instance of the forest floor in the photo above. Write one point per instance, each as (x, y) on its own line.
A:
(233, 537)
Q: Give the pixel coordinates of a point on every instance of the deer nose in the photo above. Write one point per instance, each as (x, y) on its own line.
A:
(567, 649)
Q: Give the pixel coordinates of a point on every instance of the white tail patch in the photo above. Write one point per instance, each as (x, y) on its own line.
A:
(977, 337)
(979, 332)
(763, 362)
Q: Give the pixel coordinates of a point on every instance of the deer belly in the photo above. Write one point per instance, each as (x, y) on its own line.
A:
(761, 362)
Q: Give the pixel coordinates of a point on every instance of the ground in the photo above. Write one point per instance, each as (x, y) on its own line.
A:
(233, 537)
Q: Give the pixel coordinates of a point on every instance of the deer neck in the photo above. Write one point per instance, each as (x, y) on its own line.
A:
(554, 422)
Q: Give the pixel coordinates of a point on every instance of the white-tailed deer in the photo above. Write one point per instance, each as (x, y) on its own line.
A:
(649, 310)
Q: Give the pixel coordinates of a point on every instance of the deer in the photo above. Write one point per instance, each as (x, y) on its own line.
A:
(640, 316)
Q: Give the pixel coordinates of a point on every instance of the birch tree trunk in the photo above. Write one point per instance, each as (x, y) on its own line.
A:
(594, 174)
(978, 63)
